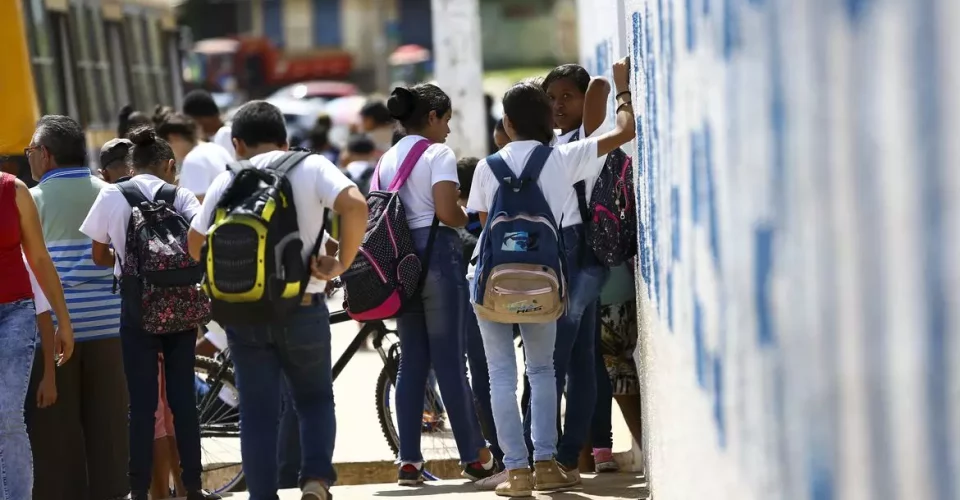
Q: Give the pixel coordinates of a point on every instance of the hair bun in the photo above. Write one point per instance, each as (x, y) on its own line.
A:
(143, 136)
(125, 113)
(402, 103)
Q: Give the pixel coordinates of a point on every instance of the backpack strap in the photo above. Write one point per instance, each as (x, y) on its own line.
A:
(236, 166)
(581, 189)
(538, 158)
(167, 194)
(406, 167)
(501, 171)
(287, 161)
(131, 193)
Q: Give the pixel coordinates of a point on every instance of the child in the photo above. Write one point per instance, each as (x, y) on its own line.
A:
(433, 335)
(358, 160)
(528, 120)
(500, 137)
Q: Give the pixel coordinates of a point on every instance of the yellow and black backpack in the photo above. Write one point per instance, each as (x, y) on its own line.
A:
(255, 272)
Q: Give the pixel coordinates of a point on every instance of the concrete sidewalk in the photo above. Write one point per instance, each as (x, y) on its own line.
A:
(621, 486)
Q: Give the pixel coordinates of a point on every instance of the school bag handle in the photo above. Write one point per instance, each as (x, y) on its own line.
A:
(406, 167)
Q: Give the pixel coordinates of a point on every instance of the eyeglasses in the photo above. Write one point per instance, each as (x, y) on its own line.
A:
(30, 149)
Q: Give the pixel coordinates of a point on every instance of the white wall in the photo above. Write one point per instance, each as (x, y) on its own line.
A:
(798, 183)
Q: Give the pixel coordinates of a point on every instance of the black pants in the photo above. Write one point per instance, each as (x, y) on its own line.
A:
(140, 353)
(80, 442)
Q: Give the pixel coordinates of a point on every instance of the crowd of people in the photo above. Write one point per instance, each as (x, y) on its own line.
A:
(117, 272)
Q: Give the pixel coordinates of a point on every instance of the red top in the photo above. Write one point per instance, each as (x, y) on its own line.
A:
(15, 284)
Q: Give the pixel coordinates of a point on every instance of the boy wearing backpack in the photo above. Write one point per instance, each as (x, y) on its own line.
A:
(521, 272)
(270, 297)
(146, 220)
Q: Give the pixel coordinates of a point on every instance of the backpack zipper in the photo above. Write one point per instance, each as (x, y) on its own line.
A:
(373, 263)
(530, 218)
(525, 271)
(598, 209)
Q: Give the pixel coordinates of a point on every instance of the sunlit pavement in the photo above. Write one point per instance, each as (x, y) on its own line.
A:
(362, 455)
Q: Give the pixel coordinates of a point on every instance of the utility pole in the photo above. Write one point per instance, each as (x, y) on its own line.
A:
(458, 69)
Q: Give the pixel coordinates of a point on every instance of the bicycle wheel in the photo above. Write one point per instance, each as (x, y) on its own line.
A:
(436, 435)
(219, 416)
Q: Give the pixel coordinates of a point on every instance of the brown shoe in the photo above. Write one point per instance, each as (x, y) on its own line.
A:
(550, 476)
(518, 484)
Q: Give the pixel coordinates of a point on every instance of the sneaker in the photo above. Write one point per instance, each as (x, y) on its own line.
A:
(603, 460)
(202, 495)
(409, 475)
(519, 483)
(315, 490)
(491, 483)
(572, 472)
(550, 476)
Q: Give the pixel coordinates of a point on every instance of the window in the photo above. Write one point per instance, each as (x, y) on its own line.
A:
(104, 77)
(42, 56)
(158, 64)
(143, 95)
(86, 70)
(119, 63)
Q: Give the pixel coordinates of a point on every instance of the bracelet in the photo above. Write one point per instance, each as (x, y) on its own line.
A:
(628, 103)
(627, 92)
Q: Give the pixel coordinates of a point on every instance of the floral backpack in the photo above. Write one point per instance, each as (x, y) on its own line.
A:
(159, 281)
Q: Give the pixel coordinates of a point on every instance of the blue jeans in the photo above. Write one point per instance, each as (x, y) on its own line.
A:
(18, 341)
(480, 381)
(601, 430)
(575, 356)
(298, 351)
(140, 350)
(288, 441)
(431, 333)
(538, 345)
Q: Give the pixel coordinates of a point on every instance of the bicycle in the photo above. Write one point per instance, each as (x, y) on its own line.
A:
(219, 420)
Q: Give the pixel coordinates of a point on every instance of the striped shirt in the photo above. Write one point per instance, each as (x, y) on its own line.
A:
(63, 197)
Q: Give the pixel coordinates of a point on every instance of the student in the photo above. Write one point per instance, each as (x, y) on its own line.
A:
(528, 122)
(154, 166)
(377, 122)
(320, 139)
(80, 447)
(578, 108)
(22, 235)
(199, 162)
(476, 358)
(500, 137)
(303, 357)
(358, 160)
(113, 161)
(199, 105)
(128, 119)
(434, 335)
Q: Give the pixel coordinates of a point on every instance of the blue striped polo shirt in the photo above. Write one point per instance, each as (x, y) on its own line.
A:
(64, 197)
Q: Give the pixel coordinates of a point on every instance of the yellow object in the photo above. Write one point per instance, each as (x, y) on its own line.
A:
(85, 60)
(18, 99)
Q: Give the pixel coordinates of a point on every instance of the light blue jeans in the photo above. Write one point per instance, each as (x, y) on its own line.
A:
(538, 346)
(18, 343)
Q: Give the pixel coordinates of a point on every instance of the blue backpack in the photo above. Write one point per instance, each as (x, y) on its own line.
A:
(519, 273)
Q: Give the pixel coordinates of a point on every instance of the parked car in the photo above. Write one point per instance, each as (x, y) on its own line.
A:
(316, 90)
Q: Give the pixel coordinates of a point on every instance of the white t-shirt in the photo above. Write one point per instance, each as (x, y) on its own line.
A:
(438, 164)
(356, 169)
(39, 299)
(316, 183)
(571, 208)
(108, 217)
(202, 165)
(224, 139)
(569, 163)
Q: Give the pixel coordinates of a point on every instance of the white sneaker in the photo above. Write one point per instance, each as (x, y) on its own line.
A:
(490, 483)
(315, 490)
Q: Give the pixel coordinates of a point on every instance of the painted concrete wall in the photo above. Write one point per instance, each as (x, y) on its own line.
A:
(798, 176)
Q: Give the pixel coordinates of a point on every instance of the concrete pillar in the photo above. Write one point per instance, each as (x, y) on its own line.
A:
(458, 69)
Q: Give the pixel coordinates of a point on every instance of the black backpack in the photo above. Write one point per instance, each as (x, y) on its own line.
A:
(610, 220)
(159, 281)
(255, 271)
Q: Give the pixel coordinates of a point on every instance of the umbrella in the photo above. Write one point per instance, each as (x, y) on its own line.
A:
(345, 110)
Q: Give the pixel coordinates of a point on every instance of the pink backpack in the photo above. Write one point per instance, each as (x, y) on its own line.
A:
(387, 272)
